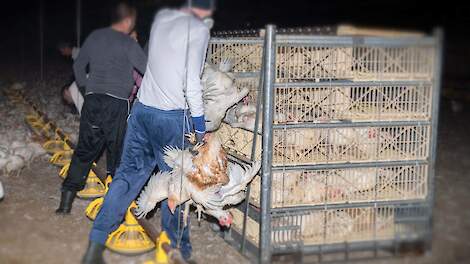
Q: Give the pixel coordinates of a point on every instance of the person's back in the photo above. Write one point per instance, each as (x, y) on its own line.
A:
(111, 56)
(163, 84)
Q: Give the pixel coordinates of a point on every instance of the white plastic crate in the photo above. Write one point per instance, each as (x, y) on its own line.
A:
(350, 185)
(304, 146)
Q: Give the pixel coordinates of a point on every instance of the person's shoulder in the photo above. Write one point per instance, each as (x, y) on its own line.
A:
(198, 24)
(164, 11)
(199, 27)
(97, 32)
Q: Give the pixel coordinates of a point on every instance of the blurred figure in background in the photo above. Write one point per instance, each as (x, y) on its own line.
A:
(111, 55)
(68, 51)
(71, 94)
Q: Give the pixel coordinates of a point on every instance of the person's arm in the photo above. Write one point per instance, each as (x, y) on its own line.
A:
(81, 62)
(75, 52)
(196, 57)
(137, 57)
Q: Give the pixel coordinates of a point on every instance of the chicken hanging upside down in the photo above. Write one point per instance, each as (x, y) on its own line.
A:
(207, 180)
(219, 93)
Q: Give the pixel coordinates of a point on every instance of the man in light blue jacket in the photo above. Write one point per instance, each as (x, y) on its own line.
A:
(169, 106)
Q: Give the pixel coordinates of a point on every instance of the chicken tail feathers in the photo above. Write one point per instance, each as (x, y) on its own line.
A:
(155, 191)
(250, 172)
(171, 155)
(225, 65)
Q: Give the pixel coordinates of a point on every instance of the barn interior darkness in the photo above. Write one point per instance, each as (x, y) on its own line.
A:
(19, 45)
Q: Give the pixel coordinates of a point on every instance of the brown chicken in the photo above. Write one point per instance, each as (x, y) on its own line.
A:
(206, 180)
(210, 164)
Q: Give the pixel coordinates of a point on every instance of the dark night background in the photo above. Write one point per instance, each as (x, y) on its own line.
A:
(20, 23)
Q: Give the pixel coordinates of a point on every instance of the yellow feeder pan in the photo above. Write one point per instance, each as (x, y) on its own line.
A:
(94, 188)
(33, 119)
(65, 169)
(38, 126)
(43, 130)
(130, 237)
(55, 146)
(161, 257)
(61, 158)
(94, 207)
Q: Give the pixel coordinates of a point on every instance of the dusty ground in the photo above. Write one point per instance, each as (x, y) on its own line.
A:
(31, 233)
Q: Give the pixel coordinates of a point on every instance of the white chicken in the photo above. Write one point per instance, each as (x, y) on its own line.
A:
(219, 93)
(242, 116)
(369, 141)
(207, 180)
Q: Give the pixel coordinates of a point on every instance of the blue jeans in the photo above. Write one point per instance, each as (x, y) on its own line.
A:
(148, 131)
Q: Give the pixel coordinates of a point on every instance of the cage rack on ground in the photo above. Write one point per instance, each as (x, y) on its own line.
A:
(347, 123)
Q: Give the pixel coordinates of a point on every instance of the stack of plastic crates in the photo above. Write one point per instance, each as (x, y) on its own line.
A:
(353, 141)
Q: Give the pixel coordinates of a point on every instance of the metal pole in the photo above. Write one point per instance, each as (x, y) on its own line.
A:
(439, 38)
(22, 46)
(253, 153)
(79, 22)
(268, 112)
(41, 37)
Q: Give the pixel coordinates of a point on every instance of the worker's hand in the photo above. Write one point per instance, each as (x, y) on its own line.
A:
(200, 137)
(199, 128)
(197, 140)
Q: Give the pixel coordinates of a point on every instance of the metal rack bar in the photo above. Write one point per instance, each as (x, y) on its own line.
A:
(439, 38)
(257, 40)
(349, 83)
(348, 165)
(348, 123)
(353, 246)
(267, 156)
(309, 208)
(332, 41)
(253, 157)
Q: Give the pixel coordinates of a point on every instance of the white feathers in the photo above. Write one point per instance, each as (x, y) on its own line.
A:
(16, 155)
(17, 149)
(225, 65)
(233, 192)
(178, 159)
(155, 191)
(219, 93)
(176, 186)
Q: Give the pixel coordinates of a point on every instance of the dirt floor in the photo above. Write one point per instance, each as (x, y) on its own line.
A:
(32, 233)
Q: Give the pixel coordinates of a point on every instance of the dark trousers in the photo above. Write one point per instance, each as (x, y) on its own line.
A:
(149, 130)
(102, 124)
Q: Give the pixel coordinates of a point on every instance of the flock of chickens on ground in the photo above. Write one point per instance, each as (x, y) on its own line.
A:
(19, 146)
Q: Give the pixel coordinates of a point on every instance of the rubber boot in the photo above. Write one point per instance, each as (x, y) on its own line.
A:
(94, 254)
(66, 200)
